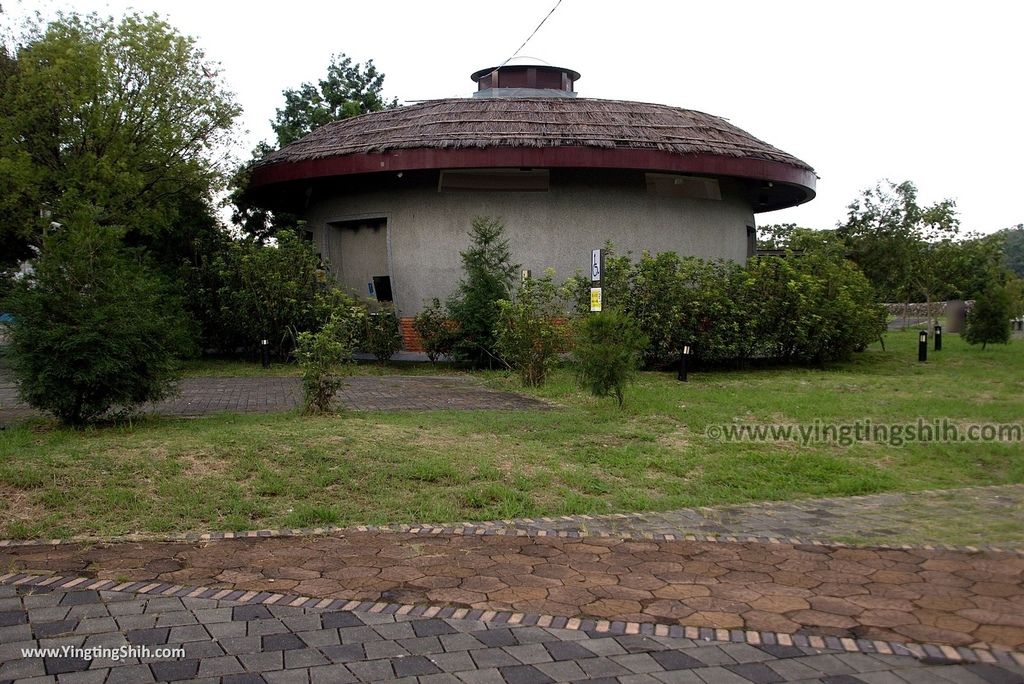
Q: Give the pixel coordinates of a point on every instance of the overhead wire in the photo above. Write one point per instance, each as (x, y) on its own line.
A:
(529, 37)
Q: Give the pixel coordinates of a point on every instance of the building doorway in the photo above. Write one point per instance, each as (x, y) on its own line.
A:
(357, 250)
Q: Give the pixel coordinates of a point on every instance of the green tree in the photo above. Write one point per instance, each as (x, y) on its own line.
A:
(1013, 248)
(254, 220)
(531, 332)
(93, 329)
(903, 248)
(348, 90)
(435, 328)
(989, 318)
(489, 274)
(799, 240)
(120, 118)
(1015, 290)
(383, 336)
(324, 356)
(968, 264)
(608, 352)
(885, 229)
(268, 292)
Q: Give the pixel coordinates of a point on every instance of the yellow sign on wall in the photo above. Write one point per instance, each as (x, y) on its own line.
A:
(595, 299)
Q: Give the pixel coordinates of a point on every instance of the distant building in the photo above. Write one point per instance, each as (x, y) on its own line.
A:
(389, 196)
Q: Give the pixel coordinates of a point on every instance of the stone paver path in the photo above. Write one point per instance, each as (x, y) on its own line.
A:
(903, 595)
(976, 516)
(268, 394)
(230, 642)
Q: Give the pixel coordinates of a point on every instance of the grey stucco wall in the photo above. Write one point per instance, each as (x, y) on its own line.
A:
(554, 229)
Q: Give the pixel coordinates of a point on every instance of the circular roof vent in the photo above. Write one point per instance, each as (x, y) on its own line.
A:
(525, 80)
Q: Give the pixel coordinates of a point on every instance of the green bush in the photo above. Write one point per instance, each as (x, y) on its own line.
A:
(609, 349)
(383, 334)
(989, 318)
(489, 274)
(94, 330)
(247, 291)
(435, 328)
(800, 309)
(530, 333)
(323, 356)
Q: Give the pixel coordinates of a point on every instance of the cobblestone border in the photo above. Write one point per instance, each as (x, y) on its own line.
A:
(525, 527)
(933, 653)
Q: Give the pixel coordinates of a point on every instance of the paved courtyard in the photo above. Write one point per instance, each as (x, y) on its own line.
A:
(204, 395)
(116, 636)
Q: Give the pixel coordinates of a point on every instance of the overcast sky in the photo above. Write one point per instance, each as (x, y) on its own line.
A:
(923, 91)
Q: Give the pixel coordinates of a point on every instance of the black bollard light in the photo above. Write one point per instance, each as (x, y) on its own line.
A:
(265, 352)
(938, 337)
(922, 346)
(684, 363)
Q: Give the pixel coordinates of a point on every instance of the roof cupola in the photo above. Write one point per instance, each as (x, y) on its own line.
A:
(525, 80)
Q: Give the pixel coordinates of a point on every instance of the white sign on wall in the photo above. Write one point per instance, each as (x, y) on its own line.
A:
(595, 266)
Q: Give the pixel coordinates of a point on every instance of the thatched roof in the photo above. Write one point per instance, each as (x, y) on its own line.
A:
(533, 123)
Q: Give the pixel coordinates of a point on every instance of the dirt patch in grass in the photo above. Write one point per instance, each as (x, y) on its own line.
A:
(679, 440)
(16, 506)
(196, 464)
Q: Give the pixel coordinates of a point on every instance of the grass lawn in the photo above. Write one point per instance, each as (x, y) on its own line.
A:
(254, 471)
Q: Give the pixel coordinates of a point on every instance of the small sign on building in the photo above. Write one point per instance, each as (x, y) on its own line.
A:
(596, 273)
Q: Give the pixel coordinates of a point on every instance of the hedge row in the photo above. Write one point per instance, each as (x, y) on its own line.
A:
(805, 309)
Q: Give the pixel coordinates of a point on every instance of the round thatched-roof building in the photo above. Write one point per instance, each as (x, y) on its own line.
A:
(389, 196)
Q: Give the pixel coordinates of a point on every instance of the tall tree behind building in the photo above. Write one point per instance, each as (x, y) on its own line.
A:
(348, 89)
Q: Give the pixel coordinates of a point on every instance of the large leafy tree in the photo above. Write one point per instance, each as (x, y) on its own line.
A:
(122, 118)
(348, 89)
(791, 237)
(1013, 248)
(888, 234)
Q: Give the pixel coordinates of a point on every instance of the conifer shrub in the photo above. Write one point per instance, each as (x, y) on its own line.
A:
(93, 331)
(608, 351)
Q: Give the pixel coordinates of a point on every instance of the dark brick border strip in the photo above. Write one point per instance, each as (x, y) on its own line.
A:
(934, 652)
(519, 528)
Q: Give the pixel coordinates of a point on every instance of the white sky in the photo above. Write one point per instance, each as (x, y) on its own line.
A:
(923, 91)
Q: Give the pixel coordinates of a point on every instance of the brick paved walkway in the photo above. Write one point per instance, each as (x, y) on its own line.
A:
(230, 642)
(901, 595)
(977, 516)
(267, 394)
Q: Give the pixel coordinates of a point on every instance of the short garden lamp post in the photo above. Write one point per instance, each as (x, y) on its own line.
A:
(684, 363)
(922, 346)
(265, 352)
(938, 337)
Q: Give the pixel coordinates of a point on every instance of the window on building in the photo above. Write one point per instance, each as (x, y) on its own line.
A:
(692, 187)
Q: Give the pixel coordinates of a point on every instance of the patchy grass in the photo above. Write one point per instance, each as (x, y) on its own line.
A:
(234, 472)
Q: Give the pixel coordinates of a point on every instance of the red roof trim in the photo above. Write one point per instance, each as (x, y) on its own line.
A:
(529, 157)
